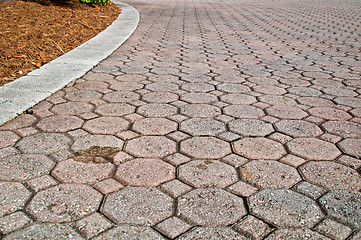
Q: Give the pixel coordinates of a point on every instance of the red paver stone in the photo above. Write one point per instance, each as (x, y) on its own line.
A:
(25, 166)
(8, 138)
(108, 185)
(157, 110)
(83, 96)
(22, 121)
(162, 87)
(331, 175)
(115, 109)
(14, 222)
(121, 97)
(70, 171)
(160, 97)
(64, 203)
(43, 143)
(253, 228)
(304, 91)
(298, 128)
(138, 206)
(313, 149)
(286, 112)
(154, 126)
(13, 197)
(145, 172)
(242, 189)
(278, 100)
(198, 87)
(269, 89)
(333, 229)
(315, 102)
(59, 123)
(243, 111)
(343, 128)
(198, 98)
(250, 127)
(202, 126)
(91, 85)
(269, 174)
(200, 110)
(126, 86)
(106, 125)
(205, 147)
(233, 88)
(42, 182)
(211, 207)
(285, 208)
(150, 146)
(259, 148)
(351, 147)
(329, 113)
(207, 173)
(72, 108)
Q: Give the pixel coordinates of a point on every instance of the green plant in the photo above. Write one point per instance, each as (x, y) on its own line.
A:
(93, 2)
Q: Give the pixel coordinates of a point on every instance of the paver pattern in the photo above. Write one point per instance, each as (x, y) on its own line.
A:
(236, 119)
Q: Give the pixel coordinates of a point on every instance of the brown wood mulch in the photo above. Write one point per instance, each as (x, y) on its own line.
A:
(32, 34)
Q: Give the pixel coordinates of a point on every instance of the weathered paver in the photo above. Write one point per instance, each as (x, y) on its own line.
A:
(216, 119)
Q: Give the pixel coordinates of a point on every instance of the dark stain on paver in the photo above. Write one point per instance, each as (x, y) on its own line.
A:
(96, 154)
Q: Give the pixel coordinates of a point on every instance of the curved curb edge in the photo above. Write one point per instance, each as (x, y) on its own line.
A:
(25, 92)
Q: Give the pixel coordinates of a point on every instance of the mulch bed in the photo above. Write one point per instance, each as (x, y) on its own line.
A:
(32, 34)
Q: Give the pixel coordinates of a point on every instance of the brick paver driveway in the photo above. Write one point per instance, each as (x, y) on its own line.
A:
(216, 120)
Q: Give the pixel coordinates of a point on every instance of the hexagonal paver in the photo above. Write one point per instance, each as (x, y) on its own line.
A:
(160, 97)
(115, 109)
(313, 149)
(198, 87)
(138, 206)
(233, 88)
(259, 148)
(207, 173)
(151, 146)
(205, 147)
(349, 101)
(250, 127)
(46, 231)
(72, 108)
(243, 111)
(297, 233)
(13, 197)
(70, 171)
(285, 208)
(286, 112)
(212, 234)
(298, 128)
(154, 126)
(343, 128)
(130, 232)
(329, 113)
(269, 174)
(96, 141)
(162, 86)
(25, 166)
(202, 126)
(237, 98)
(343, 206)
(198, 97)
(59, 123)
(157, 110)
(43, 143)
(269, 89)
(106, 125)
(304, 91)
(351, 146)
(331, 175)
(200, 110)
(211, 207)
(64, 203)
(315, 102)
(121, 97)
(145, 172)
(277, 100)
(126, 86)
(8, 138)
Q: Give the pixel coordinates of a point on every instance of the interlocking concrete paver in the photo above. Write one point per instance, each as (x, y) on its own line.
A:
(24, 167)
(268, 86)
(138, 206)
(211, 207)
(285, 208)
(13, 197)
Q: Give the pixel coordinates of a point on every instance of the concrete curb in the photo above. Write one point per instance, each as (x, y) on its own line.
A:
(25, 92)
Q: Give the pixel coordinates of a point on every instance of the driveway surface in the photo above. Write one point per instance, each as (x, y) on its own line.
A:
(215, 120)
